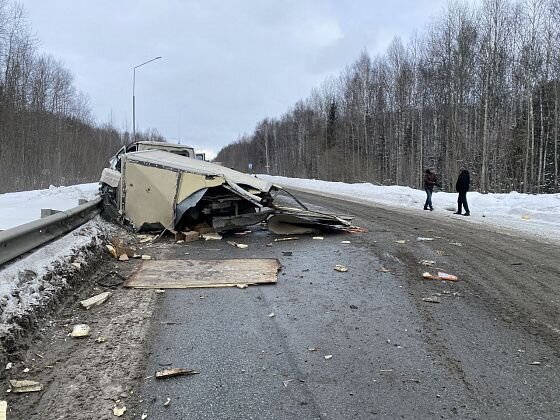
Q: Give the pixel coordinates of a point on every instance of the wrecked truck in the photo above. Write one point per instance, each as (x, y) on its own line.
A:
(155, 186)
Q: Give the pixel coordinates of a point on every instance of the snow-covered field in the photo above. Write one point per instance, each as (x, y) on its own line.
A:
(537, 215)
(23, 207)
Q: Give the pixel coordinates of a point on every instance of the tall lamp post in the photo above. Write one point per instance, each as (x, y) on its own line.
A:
(134, 97)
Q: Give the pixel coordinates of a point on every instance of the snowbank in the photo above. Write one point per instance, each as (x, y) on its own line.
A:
(23, 207)
(32, 280)
(538, 215)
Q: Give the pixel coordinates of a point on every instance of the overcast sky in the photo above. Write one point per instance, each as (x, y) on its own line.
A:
(226, 64)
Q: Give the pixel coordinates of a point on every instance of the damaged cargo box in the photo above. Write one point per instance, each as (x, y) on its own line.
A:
(161, 188)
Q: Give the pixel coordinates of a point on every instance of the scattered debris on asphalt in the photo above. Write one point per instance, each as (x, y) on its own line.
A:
(313, 348)
(289, 238)
(456, 243)
(442, 254)
(271, 315)
(211, 236)
(168, 373)
(318, 238)
(123, 257)
(345, 242)
(440, 276)
(95, 300)
(286, 382)
(401, 241)
(242, 233)
(167, 402)
(427, 263)
(328, 357)
(535, 363)
(384, 270)
(341, 268)
(238, 245)
(144, 416)
(241, 286)
(146, 257)
(77, 265)
(80, 330)
(432, 299)
(119, 411)
(25, 386)
(422, 239)
(9, 365)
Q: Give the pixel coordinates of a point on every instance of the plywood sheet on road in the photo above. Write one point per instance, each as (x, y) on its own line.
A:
(182, 274)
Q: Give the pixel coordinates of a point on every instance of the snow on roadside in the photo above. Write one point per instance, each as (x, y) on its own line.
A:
(25, 283)
(538, 215)
(25, 206)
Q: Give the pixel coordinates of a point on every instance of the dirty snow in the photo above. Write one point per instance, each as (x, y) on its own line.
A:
(23, 207)
(21, 283)
(535, 214)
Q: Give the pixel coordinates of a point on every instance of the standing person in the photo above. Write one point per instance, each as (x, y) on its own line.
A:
(462, 186)
(430, 179)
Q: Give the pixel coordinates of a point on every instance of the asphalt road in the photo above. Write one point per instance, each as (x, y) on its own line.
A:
(489, 349)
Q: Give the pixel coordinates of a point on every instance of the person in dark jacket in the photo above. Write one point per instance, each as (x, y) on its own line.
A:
(462, 186)
(430, 179)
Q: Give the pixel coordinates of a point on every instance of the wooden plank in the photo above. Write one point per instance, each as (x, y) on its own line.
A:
(181, 274)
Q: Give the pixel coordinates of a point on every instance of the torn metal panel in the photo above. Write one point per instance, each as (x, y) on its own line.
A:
(287, 224)
(291, 221)
(181, 163)
(181, 274)
(148, 194)
(233, 222)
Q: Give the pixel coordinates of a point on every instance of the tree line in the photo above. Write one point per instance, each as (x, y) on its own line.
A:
(47, 133)
(478, 87)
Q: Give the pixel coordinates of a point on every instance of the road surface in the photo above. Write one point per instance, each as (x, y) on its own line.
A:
(364, 344)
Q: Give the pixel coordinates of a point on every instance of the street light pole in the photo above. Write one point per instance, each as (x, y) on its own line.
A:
(134, 96)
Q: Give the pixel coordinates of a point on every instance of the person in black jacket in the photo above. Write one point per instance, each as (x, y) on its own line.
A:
(430, 179)
(462, 186)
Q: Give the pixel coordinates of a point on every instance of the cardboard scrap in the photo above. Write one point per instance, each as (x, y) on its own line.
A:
(25, 386)
(95, 300)
(167, 373)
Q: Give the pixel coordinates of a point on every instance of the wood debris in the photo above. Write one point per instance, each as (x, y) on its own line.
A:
(25, 386)
(95, 300)
(3, 409)
(168, 373)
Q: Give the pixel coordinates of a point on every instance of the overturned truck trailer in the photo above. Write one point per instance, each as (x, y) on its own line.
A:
(157, 189)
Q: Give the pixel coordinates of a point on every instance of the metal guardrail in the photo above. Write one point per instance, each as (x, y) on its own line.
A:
(21, 239)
